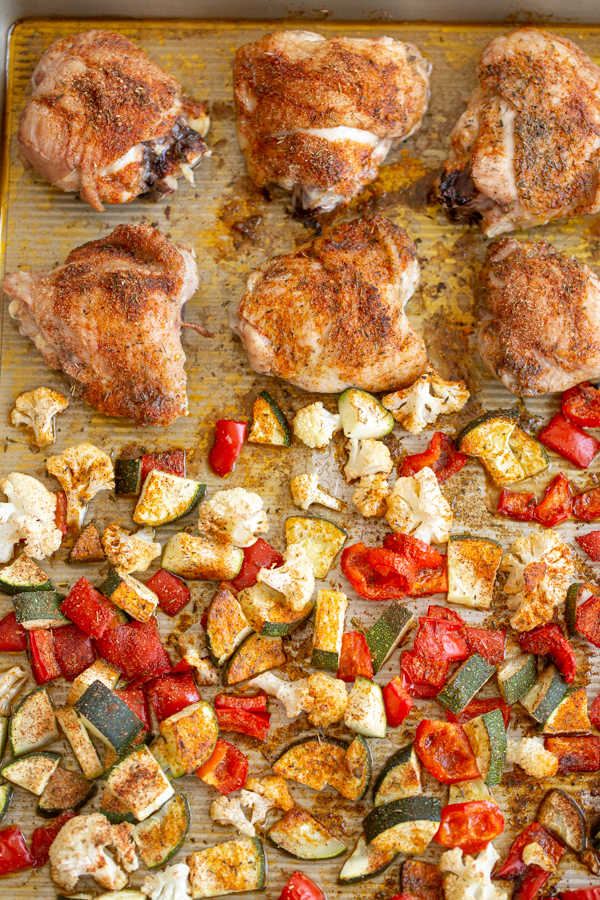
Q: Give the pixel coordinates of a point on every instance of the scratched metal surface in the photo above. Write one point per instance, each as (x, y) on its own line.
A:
(233, 228)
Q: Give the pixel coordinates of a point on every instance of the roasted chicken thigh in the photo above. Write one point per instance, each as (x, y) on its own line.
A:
(105, 120)
(110, 318)
(542, 329)
(527, 148)
(318, 116)
(330, 316)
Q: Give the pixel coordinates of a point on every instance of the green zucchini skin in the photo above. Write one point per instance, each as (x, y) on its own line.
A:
(6, 792)
(34, 761)
(269, 425)
(400, 777)
(487, 736)
(514, 687)
(545, 695)
(23, 576)
(408, 809)
(465, 683)
(157, 843)
(108, 717)
(388, 632)
(39, 609)
(128, 477)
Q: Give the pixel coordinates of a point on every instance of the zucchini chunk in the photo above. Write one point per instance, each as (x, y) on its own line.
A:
(487, 737)
(115, 811)
(81, 745)
(472, 566)
(269, 425)
(199, 559)
(226, 626)
(229, 868)
(465, 683)
(100, 670)
(328, 630)
(32, 772)
(562, 816)
(507, 452)
(577, 593)
(388, 632)
(406, 826)
(467, 791)
(262, 605)
(138, 781)
(312, 761)
(4, 723)
(23, 576)
(39, 609)
(570, 716)
(6, 792)
(128, 477)
(517, 676)
(33, 724)
(363, 416)
(255, 654)
(108, 717)
(130, 595)
(351, 780)
(190, 735)
(160, 837)
(158, 749)
(422, 880)
(366, 861)
(321, 539)
(399, 778)
(301, 835)
(166, 497)
(65, 790)
(365, 712)
(545, 695)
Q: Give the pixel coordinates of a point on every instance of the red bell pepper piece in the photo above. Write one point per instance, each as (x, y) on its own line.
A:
(135, 649)
(301, 887)
(88, 609)
(172, 461)
(173, 594)
(587, 620)
(487, 642)
(581, 404)
(14, 852)
(355, 657)
(595, 712)
(74, 651)
(531, 884)
(430, 581)
(470, 826)
(589, 542)
(581, 894)
(259, 555)
(60, 513)
(137, 701)
(226, 770)
(440, 639)
(254, 724)
(397, 701)
(548, 640)
(367, 581)
(422, 677)
(393, 565)
(441, 456)
(424, 556)
(43, 838)
(44, 665)
(516, 505)
(586, 506)
(445, 751)
(557, 503)
(442, 612)
(575, 754)
(252, 703)
(570, 441)
(171, 693)
(479, 708)
(229, 439)
(13, 637)
(513, 866)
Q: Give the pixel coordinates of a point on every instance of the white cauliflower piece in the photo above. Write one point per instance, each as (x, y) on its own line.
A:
(417, 506)
(371, 494)
(11, 682)
(329, 700)
(469, 878)
(82, 471)
(80, 849)
(234, 516)
(37, 409)
(539, 568)
(294, 695)
(170, 884)
(294, 579)
(258, 805)
(129, 552)
(367, 457)
(274, 788)
(531, 755)
(315, 426)
(122, 839)
(30, 516)
(305, 491)
(228, 811)
(534, 855)
(430, 396)
(193, 649)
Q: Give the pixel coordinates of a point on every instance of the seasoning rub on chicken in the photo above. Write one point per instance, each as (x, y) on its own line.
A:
(110, 318)
(527, 148)
(330, 316)
(318, 116)
(105, 120)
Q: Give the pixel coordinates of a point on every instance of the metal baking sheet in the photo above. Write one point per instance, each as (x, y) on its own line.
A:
(233, 227)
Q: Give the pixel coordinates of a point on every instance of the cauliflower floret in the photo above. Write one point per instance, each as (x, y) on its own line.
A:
(193, 650)
(370, 495)
(294, 579)
(330, 700)
(417, 506)
(531, 755)
(37, 409)
(305, 490)
(29, 516)
(534, 855)
(11, 682)
(429, 397)
(469, 878)
(170, 884)
(274, 788)
(234, 516)
(122, 839)
(129, 552)
(79, 849)
(367, 457)
(294, 695)
(228, 811)
(539, 570)
(258, 805)
(315, 425)
(82, 471)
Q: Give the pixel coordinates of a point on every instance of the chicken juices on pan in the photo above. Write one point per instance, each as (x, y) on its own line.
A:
(318, 116)
(527, 148)
(103, 119)
(330, 316)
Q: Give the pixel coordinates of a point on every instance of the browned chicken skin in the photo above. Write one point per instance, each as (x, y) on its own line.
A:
(542, 331)
(110, 318)
(527, 148)
(330, 316)
(318, 116)
(106, 121)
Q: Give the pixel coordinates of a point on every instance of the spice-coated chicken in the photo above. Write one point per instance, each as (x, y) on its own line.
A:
(110, 318)
(318, 116)
(541, 332)
(330, 316)
(106, 121)
(527, 148)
